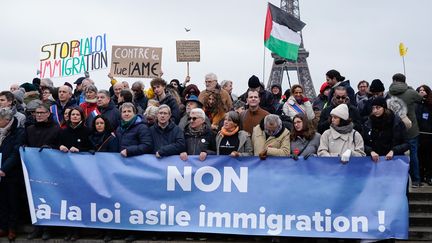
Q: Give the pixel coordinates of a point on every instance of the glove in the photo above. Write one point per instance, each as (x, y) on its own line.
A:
(263, 155)
(346, 156)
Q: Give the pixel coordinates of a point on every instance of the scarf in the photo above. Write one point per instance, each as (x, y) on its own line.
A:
(126, 124)
(226, 133)
(343, 129)
(197, 132)
(91, 100)
(5, 131)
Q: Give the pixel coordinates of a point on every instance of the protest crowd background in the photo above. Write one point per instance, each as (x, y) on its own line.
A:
(175, 118)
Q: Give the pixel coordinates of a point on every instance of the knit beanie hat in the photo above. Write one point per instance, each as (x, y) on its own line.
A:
(324, 86)
(28, 87)
(376, 86)
(254, 82)
(341, 111)
(379, 101)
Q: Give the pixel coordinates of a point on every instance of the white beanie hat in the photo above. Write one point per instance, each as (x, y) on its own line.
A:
(341, 111)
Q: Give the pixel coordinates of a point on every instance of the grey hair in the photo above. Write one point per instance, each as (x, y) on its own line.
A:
(272, 118)
(138, 84)
(151, 111)
(211, 76)
(69, 89)
(89, 80)
(199, 112)
(128, 105)
(105, 92)
(164, 106)
(6, 114)
(91, 87)
(48, 81)
(225, 82)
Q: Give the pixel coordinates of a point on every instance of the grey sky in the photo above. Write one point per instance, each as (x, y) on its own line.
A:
(358, 38)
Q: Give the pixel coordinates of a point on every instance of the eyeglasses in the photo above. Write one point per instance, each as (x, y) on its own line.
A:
(40, 113)
(192, 118)
(340, 97)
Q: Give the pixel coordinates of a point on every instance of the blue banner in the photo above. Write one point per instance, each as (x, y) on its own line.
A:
(317, 197)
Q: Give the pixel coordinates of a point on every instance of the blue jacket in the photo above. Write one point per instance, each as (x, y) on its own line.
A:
(168, 141)
(136, 138)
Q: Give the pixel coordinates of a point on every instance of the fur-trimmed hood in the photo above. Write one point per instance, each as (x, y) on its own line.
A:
(398, 106)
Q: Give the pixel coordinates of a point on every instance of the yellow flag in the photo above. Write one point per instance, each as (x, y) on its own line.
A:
(402, 50)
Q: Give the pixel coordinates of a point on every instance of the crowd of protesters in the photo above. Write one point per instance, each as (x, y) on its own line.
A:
(178, 119)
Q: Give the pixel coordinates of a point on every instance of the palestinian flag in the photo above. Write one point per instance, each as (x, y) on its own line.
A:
(281, 33)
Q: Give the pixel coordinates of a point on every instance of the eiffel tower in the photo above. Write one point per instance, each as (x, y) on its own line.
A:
(281, 65)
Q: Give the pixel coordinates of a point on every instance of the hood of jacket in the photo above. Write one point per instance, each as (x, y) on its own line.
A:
(397, 88)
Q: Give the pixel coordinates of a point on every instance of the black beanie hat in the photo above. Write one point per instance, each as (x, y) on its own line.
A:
(379, 101)
(376, 86)
(28, 87)
(254, 82)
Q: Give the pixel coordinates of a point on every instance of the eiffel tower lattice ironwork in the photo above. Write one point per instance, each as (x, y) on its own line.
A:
(281, 65)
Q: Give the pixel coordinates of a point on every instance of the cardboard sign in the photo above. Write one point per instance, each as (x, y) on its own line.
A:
(63, 59)
(136, 61)
(188, 50)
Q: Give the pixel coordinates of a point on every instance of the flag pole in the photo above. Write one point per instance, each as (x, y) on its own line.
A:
(403, 61)
(264, 64)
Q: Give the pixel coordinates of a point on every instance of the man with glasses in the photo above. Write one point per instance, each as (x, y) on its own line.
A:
(361, 94)
(211, 84)
(168, 139)
(340, 96)
(198, 135)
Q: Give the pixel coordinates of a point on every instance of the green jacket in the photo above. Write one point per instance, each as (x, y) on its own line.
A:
(410, 97)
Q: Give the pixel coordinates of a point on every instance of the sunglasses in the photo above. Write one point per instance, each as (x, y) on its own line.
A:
(192, 118)
(341, 97)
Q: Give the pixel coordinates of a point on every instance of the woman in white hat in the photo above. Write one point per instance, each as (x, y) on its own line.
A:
(341, 139)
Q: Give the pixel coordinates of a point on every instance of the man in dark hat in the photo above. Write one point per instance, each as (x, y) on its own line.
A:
(376, 89)
(191, 103)
(78, 88)
(266, 97)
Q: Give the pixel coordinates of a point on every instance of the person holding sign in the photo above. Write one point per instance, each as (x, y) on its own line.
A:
(11, 138)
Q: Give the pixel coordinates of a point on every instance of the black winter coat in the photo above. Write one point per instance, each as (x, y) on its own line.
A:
(202, 142)
(105, 142)
(42, 133)
(11, 160)
(384, 134)
(77, 137)
(136, 138)
(111, 113)
(141, 101)
(424, 117)
(324, 122)
(168, 141)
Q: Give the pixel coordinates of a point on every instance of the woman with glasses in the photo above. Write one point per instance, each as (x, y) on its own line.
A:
(304, 138)
(271, 138)
(198, 136)
(231, 140)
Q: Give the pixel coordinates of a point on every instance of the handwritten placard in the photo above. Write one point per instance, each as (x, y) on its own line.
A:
(136, 61)
(63, 59)
(188, 50)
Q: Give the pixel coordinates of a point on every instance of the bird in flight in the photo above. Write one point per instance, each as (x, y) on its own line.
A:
(187, 30)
